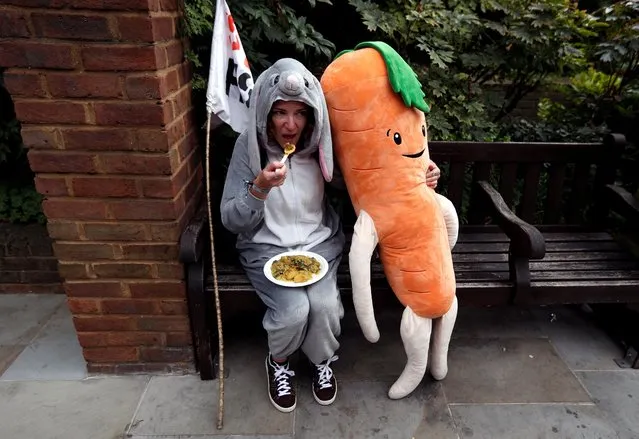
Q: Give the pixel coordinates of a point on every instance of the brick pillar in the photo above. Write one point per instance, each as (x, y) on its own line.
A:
(103, 93)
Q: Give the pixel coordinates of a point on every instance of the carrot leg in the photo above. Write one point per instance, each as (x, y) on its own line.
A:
(362, 246)
(442, 331)
(415, 332)
(450, 217)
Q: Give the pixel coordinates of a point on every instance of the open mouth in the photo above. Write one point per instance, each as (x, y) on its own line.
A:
(416, 155)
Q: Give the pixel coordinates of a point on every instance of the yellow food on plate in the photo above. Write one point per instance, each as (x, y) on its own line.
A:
(296, 268)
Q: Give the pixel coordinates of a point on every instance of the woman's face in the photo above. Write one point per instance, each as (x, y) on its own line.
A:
(288, 120)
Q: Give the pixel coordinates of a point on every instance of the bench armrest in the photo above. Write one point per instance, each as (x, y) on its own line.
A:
(194, 236)
(622, 202)
(526, 240)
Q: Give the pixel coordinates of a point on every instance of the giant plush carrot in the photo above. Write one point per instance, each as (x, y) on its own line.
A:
(376, 108)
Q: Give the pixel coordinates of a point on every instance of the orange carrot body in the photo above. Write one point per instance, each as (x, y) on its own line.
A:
(387, 179)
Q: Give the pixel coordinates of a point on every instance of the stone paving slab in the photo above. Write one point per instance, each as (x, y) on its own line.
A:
(509, 371)
(532, 421)
(616, 393)
(363, 410)
(24, 314)
(55, 353)
(98, 408)
(7, 355)
(577, 338)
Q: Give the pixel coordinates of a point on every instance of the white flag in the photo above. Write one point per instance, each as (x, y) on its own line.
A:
(230, 79)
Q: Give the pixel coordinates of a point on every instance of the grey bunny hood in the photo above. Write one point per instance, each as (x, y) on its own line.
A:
(289, 80)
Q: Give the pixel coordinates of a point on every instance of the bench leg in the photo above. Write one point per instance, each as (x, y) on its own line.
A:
(197, 303)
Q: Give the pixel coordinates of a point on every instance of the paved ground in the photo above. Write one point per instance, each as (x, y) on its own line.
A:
(514, 373)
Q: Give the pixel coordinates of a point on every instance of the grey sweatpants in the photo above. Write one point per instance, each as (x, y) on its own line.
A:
(307, 317)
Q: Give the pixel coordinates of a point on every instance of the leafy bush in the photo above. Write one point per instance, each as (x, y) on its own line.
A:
(19, 201)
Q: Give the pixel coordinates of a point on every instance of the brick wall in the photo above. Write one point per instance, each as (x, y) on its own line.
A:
(27, 263)
(102, 91)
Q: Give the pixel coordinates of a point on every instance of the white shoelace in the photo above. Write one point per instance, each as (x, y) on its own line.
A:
(282, 377)
(325, 373)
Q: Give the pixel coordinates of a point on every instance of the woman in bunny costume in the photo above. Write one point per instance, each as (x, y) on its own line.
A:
(275, 207)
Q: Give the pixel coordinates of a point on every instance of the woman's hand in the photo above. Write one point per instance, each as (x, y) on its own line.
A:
(271, 176)
(432, 175)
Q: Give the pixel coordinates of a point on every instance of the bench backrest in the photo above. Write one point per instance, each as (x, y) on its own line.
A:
(543, 183)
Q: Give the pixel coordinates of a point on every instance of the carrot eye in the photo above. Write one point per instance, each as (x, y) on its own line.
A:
(397, 138)
(424, 130)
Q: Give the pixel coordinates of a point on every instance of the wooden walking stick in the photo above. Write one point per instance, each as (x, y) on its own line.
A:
(218, 311)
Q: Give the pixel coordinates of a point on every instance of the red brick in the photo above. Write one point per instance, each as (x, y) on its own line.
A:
(49, 112)
(16, 53)
(37, 3)
(173, 307)
(36, 137)
(104, 187)
(175, 131)
(91, 139)
(105, 323)
(143, 164)
(63, 231)
(97, 339)
(147, 87)
(170, 271)
(71, 26)
(157, 188)
(123, 270)
(61, 161)
(24, 84)
(143, 210)
(123, 5)
(121, 58)
(150, 252)
(182, 101)
(111, 354)
(152, 140)
(174, 53)
(66, 208)
(106, 369)
(142, 28)
(168, 5)
(93, 289)
(83, 306)
(31, 288)
(120, 113)
(114, 232)
(83, 251)
(51, 186)
(163, 323)
(73, 271)
(179, 339)
(158, 290)
(130, 306)
(13, 24)
(156, 354)
(85, 85)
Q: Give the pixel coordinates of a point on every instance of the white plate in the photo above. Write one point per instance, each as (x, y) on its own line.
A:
(315, 278)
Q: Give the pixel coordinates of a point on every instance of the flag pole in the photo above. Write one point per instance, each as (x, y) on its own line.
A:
(218, 311)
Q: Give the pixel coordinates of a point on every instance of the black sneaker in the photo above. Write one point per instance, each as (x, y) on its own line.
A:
(324, 382)
(281, 389)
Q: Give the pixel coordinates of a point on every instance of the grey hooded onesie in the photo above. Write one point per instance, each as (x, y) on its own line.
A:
(294, 216)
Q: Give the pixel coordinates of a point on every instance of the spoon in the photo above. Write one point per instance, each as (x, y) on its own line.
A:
(289, 149)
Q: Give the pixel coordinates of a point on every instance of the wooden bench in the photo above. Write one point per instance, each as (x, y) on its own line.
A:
(524, 240)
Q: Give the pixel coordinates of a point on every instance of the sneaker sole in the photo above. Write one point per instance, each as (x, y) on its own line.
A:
(322, 402)
(268, 392)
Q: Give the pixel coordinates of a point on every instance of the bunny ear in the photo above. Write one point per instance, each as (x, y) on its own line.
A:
(254, 129)
(325, 139)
